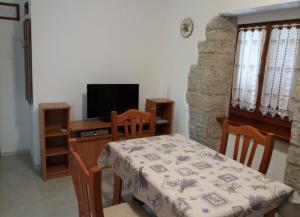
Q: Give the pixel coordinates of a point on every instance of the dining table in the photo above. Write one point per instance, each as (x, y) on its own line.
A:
(178, 177)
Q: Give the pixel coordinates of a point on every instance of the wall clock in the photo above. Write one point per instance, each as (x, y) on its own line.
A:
(186, 27)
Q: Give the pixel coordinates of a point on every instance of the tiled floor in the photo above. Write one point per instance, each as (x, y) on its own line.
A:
(24, 194)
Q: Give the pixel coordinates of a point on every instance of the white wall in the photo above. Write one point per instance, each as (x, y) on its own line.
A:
(15, 113)
(283, 14)
(182, 53)
(78, 42)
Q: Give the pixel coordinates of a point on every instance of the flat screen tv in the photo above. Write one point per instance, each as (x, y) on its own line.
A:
(104, 98)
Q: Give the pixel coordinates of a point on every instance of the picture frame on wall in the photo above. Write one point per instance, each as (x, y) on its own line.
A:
(9, 11)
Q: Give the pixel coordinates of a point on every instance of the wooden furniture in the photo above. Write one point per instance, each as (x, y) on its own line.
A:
(163, 114)
(130, 120)
(54, 135)
(87, 184)
(233, 183)
(134, 118)
(279, 133)
(90, 148)
(249, 133)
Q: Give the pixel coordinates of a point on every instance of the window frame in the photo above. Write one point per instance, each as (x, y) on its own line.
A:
(256, 116)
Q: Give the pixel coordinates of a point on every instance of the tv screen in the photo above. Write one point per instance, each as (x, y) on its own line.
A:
(104, 98)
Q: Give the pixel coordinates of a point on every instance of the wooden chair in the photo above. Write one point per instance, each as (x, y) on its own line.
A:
(87, 184)
(249, 133)
(130, 118)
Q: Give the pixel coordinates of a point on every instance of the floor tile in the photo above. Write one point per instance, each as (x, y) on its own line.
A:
(23, 193)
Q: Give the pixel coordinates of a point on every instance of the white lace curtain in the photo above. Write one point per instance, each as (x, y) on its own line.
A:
(281, 65)
(246, 68)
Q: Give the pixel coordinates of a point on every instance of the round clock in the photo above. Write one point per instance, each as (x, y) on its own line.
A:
(186, 27)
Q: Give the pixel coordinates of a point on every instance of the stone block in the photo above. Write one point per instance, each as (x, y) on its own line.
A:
(211, 74)
(209, 132)
(222, 24)
(217, 46)
(206, 102)
(297, 87)
(204, 118)
(292, 176)
(210, 60)
(192, 84)
(212, 88)
(207, 88)
(213, 132)
(220, 35)
(295, 131)
(293, 157)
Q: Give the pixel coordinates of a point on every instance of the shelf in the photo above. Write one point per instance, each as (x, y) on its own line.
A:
(54, 134)
(163, 114)
(57, 169)
(54, 106)
(161, 121)
(57, 131)
(161, 101)
(76, 126)
(56, 151)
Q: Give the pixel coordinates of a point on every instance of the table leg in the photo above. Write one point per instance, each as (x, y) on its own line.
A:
(117, 190)
(270, 214)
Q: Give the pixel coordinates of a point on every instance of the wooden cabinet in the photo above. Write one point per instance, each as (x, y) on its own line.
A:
(163, 114)
(90, 147)
(56, 129)
(54, 136)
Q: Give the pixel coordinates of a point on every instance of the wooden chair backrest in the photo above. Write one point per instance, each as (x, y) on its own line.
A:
(87, 184)
(249, 133)
(130, 120)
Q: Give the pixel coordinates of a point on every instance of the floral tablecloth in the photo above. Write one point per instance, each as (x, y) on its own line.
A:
(178, 177)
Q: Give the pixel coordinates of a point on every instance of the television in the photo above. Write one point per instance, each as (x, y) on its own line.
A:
(104, 98)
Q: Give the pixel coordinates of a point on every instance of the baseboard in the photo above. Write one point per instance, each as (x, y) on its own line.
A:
(14, 153)
(36, 166)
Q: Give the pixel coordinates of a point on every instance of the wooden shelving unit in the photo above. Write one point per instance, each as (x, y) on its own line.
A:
(54, 136)
(163, 114)
(56, 151)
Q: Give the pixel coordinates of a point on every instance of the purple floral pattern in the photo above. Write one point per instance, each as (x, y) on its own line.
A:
(178, 177)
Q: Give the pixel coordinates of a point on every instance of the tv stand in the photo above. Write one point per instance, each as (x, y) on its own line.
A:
(90, 147)
(77, 126)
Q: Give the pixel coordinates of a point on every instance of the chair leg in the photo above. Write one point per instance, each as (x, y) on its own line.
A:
(117, 190)
(270, 214)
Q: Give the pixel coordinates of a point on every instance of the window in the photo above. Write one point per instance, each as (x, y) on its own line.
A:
(266, 63)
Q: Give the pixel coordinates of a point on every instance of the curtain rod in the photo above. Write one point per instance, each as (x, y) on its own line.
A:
(251, 28)
(283, 25)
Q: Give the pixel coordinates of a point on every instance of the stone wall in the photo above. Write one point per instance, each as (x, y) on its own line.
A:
(292, 171)
(208, 93)
(209, 81)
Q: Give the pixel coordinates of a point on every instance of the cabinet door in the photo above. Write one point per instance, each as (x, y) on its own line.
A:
(89, 150)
